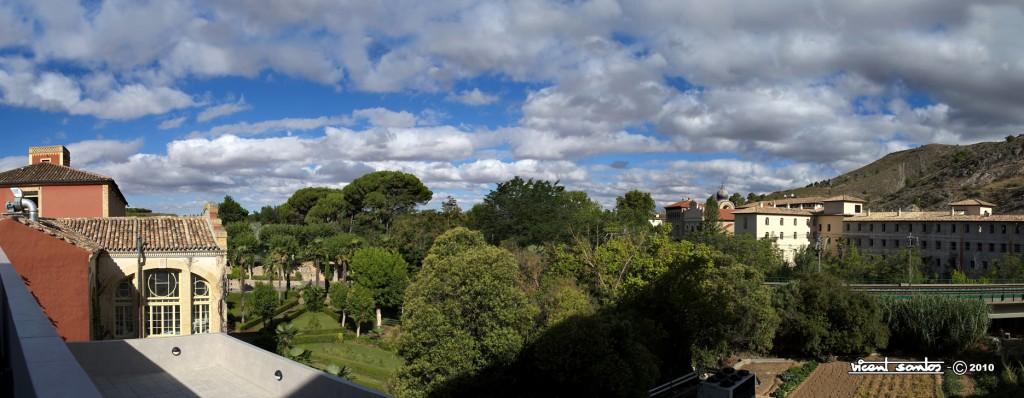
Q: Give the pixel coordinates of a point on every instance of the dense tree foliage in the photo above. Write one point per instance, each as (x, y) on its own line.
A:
(746, 249)
(821, 316)
(338, 294)
(382, 195)
(313, 298)
(634, 209)
(359, 305)
(230, 211)
(412, 234)
(303, 200)
(463, 310)
(384, 273)
(935, 324)
(263, 301)
(332, 208)
(525, 212)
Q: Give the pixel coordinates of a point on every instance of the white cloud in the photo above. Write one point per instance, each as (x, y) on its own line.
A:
(222, 110)
(172, 123)
(473, 97)
(385, 118)
(102, 151)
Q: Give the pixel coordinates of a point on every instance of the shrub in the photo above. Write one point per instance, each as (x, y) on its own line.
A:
(952, 383)
(313, 296)
(792, 378)
(821, 316)
(935, 324)
(986, 383)
(262, 302)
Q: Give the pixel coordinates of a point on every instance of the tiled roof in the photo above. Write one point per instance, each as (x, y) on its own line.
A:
(726, 215)
(683, 203)
(49, 173)
(57, 230)
(932, 216)
(972, 202)
(775, 210)
(785, 201)
(845, 198)
(160, 234)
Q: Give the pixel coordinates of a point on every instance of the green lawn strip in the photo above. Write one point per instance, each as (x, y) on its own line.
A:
(326, 322)
(369, 364)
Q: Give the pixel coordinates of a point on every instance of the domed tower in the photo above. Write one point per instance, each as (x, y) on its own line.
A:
(723, 199)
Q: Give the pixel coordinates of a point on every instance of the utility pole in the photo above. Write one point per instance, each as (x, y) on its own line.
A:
(911, 240)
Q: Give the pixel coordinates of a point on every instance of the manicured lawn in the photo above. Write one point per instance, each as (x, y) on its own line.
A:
(371, 366)
(305, 322)
(234, 307)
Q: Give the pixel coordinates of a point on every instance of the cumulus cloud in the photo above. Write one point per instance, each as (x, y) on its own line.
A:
(172, 123)
(473, 97)
(827, 86)
(222, 110)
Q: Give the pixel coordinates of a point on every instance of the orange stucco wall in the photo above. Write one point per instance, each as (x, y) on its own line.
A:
(56, 273)
(72, 201)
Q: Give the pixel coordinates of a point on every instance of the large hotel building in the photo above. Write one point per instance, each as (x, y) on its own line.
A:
(969, 236)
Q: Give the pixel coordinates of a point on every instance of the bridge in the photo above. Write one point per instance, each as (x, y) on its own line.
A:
(1005, 300)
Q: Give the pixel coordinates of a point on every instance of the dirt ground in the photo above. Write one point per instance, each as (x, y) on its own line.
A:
(832, 380)
(767, 373)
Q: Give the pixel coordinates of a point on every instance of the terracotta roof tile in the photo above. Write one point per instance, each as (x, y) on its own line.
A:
(57, 230)
(726, 215)
(684, 203)
(54, 174)
(932, 216)
(845, 198)
(775, 210)
(160, 234)
(972, 202)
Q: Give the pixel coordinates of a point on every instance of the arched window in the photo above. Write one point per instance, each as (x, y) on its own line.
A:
(124, 309)
(163, 311)
(200, 305)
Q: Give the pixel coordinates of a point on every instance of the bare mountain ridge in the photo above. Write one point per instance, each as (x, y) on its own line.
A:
(931, 176)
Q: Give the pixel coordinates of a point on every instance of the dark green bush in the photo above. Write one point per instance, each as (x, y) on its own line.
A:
(792, 378)
(821, 317)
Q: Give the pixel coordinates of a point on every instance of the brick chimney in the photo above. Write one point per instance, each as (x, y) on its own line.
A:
(219, 234)
(56, 154)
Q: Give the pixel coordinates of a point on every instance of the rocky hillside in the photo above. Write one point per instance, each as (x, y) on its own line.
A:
(931, 176)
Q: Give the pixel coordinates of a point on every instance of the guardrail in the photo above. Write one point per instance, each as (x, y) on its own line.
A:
(34, 361)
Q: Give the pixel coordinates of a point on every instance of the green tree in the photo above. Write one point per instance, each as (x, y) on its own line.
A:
(282, 249)
(412, 234)
(339, 300)
(1007, 268)
(304, 199)
(332, 208)
(382, 271)
(746, 249)
(821, 316)
(359, 304)
(264, 302)
(704, 298)
(243, 248)
(560, 298)
(463, 311)
(230, 211)
(339, 248)
(313, 297)
(385, 194)
(635, 209)
(524, 212)
(452, 213)
(709, 224)
(737, 199)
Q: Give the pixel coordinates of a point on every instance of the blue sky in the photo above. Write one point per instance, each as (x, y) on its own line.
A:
(187, 101)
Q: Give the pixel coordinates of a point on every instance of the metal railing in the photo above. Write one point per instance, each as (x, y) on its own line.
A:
(672, 385)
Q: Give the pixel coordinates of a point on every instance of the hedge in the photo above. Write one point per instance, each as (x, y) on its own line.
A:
(284, 307)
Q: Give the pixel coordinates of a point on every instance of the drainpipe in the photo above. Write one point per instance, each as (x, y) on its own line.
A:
(20, 203)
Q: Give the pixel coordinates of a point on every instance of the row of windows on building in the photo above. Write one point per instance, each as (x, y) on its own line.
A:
(937, 245)
(163, 307)
(938, 227)
(782, 235)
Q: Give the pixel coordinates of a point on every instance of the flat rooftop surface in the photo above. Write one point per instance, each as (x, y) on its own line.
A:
(212, 381)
